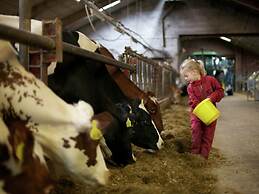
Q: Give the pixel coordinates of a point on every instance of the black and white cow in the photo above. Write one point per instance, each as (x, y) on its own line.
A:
(74, 80)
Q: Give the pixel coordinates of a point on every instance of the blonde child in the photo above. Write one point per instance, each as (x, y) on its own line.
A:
(200, 87)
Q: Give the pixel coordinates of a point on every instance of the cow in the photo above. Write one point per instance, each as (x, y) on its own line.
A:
(21, 160)
(62, 129)
(91, 82)
(73, 80)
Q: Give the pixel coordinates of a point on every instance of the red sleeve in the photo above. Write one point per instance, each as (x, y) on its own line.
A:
(193, 100)
(218, 93)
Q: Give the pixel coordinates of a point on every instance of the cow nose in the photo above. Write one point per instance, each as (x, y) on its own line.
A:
(160, 143)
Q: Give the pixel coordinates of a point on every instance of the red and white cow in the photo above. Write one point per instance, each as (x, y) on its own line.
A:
(62, 129)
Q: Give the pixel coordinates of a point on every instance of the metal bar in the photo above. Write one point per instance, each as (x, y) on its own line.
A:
(24, 24)
(9, 33)
(84, 53)
(20, 36)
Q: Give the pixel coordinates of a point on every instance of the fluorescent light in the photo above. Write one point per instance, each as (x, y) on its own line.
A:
(225, 38)
(110, 5)
(78, 0)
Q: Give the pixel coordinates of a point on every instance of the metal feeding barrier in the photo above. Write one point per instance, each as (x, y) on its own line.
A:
(34, 40)
(150, 75)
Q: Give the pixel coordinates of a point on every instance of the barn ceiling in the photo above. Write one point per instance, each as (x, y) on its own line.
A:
(67, 10)
(71, 11)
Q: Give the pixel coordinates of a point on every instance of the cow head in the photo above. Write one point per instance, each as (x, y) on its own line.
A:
(117, 139)
(73, 153)
(143, 132)
(22, 166)
(152, 106)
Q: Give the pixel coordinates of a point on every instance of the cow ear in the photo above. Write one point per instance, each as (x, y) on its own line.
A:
(104, 119)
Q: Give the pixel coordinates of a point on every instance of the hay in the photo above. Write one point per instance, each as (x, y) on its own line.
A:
(173, 170)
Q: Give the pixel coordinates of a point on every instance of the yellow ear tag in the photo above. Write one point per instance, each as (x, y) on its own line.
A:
(19, 151)
(128, 123)
(95, 133)
(142, 102)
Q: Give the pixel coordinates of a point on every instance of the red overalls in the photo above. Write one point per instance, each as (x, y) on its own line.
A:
(202, 135)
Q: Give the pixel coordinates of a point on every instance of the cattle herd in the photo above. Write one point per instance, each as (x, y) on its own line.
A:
(88, 115)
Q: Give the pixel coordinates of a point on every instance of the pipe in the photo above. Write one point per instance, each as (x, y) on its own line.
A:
(24, 24)
(10, 33)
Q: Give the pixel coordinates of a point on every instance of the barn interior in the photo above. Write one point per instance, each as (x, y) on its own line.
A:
(223, 34)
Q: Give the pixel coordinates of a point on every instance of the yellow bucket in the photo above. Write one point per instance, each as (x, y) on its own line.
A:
(206, 111)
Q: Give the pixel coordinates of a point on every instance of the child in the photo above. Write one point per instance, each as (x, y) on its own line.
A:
(200, 86)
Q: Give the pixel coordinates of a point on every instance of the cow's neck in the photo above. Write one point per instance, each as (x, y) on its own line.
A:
(128, 87)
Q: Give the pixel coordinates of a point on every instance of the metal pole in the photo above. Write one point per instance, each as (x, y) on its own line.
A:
(9, 33)
(24, 24)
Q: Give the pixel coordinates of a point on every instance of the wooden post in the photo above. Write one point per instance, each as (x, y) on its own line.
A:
(24, 24)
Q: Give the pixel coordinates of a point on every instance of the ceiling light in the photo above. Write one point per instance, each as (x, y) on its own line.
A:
(225, 38)
(110, 5)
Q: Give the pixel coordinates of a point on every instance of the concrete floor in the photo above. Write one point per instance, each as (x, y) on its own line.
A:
(237, 137)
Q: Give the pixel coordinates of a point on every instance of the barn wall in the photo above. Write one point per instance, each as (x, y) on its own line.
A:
(185, 18)
(246, 63)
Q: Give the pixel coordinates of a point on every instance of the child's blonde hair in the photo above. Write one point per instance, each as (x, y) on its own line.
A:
(193, 65)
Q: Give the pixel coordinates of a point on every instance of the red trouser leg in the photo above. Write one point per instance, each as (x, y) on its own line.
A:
(197, 134)
(207, 139)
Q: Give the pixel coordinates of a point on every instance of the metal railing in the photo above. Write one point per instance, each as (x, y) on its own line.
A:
(150, 75)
